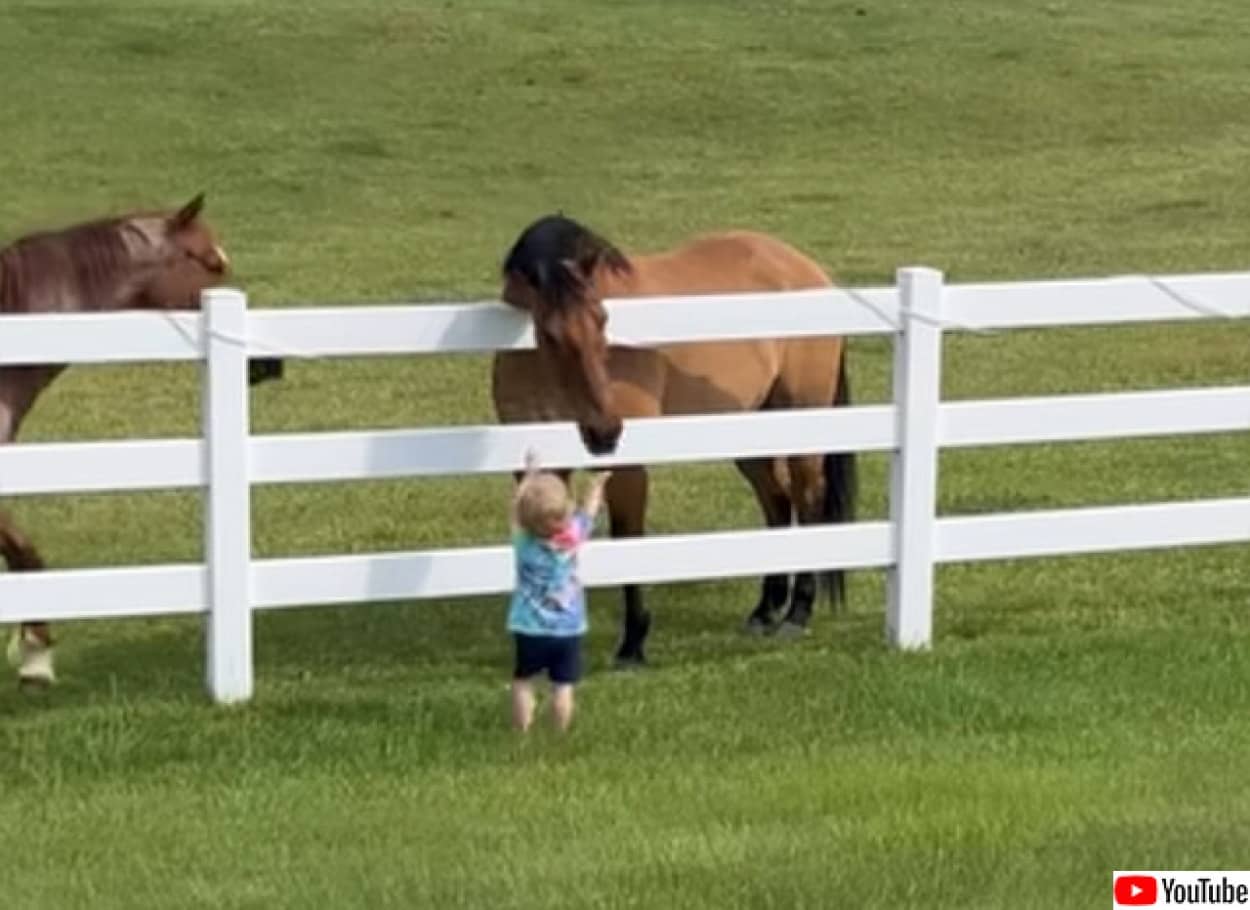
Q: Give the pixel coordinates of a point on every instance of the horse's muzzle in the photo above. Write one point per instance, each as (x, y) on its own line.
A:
(601, 439)
(264, 368)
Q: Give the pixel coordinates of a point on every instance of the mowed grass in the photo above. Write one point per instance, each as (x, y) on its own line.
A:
(1076, 715)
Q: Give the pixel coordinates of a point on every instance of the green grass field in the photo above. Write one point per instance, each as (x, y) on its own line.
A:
(1076, 716)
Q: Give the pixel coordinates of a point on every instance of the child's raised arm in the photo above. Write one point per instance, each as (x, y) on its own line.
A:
(531, 468)
(594, 496)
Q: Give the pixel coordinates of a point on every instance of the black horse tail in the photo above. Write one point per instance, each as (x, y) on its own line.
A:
(841, 487)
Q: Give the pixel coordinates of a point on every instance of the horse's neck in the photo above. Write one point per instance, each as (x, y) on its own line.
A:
(657, 275)
(610, 283)
(21, 386)
(28, 286)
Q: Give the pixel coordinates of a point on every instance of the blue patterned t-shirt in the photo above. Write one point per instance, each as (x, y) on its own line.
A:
(548, 598)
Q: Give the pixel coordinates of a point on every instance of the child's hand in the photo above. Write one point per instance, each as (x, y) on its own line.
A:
(531, 468)
(594, 498)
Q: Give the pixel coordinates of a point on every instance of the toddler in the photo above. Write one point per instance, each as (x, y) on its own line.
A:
(547, 613)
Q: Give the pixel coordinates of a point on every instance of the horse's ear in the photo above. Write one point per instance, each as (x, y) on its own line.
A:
(580, 269)
(188, 213)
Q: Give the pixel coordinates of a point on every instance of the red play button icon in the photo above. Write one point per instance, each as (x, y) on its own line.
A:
(1136, 890)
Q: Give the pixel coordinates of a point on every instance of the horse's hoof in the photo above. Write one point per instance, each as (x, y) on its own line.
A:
(33, 660)
(629, 663)
(756, 626)
(790, 630)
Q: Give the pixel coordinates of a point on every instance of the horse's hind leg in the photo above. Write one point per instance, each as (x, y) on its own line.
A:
(807, 493)
(626, 496)
(778, 513)
(30, 648)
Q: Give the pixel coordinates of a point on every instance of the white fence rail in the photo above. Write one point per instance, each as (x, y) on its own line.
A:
(226, 461)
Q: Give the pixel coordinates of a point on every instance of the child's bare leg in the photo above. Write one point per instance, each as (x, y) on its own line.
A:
(562, 705)
(522, 704)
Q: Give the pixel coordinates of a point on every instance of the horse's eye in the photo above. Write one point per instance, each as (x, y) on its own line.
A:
(210, 263)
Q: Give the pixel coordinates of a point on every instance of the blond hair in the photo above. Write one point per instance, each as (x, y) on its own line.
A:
(543, 506)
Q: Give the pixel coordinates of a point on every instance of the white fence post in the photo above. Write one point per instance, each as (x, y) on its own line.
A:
(227, 507)
(913, 481)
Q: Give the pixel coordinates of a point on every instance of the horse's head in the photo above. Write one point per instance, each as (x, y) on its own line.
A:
(181, 255)
(184, 258)
(554, 272)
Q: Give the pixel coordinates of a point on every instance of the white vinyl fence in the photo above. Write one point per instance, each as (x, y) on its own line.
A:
(227, 460)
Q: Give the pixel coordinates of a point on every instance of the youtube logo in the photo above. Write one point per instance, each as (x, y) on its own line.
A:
(1136, 891)
(1189, 889)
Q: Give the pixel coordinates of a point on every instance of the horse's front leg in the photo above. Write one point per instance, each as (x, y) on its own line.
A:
(30, 647)
(626, 496)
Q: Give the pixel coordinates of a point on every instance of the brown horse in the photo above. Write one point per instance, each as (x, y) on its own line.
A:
(560, 272)
(150, 260)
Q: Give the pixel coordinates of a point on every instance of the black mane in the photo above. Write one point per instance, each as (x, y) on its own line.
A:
(543, 249)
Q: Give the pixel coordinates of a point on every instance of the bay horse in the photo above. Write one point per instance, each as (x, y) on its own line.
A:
(142, 260)
(559, 272)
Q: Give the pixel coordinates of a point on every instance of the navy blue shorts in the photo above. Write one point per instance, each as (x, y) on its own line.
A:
(559, 655)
